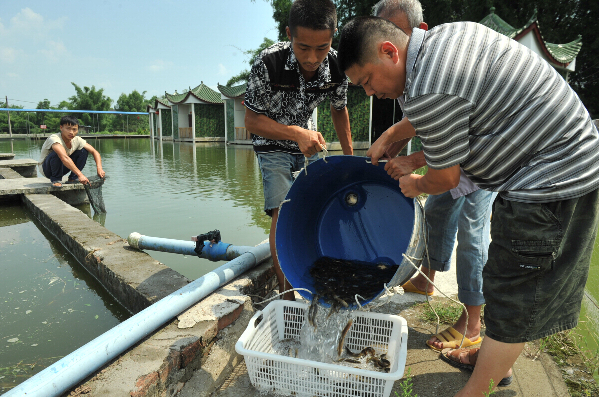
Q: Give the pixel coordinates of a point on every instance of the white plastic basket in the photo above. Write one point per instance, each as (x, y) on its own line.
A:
(270, 372)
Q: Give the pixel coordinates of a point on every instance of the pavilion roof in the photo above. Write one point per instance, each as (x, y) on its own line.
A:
(202, 92)
(561, 54)
(233, 92)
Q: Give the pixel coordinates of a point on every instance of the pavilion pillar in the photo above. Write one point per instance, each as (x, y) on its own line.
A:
(193, 122)
(160, 125)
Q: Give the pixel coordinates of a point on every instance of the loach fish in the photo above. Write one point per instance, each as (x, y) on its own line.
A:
(367, 351)
(312, 311)
(342, 336)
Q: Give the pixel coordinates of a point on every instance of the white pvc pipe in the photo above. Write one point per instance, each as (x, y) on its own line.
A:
(74, 368)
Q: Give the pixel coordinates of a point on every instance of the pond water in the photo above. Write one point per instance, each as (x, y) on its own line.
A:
(49, 304)
(175, 190)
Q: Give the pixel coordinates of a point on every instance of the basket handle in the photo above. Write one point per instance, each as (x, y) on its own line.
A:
(257, 318)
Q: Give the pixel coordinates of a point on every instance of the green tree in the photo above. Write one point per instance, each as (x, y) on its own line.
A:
(41, 116)
(90, 99)
(253, 54)
(134, 102)
(560, 21)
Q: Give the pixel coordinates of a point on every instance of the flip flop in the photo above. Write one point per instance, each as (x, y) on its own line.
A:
(453, 358)
(451, 340)
(57, 184)
(409, 287)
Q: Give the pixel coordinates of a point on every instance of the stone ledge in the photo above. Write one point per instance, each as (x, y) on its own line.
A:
(203, 352)
(133, 277)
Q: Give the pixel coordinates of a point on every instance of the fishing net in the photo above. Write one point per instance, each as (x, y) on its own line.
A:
(94, 193)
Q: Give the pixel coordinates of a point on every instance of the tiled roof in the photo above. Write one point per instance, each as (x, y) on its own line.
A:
(560, 53)
(163, 101)
(201, 92)
(499, 25)
(233, 92)
(565, 53)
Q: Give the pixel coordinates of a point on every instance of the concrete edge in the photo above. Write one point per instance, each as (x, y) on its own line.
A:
(132, 277)
(204, 353)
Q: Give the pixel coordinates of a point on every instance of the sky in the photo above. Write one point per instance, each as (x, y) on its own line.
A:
(126, 45)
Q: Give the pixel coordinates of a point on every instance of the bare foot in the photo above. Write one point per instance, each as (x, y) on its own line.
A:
(421, 283)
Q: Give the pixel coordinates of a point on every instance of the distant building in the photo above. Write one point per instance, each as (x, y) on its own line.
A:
(234, 113)
(197, 114)
(561, 56)
(161, 107)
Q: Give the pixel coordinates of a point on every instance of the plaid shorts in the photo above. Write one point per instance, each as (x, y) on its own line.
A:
(539, 258)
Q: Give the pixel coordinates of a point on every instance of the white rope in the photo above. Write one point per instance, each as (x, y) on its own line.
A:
(282, 293)
(419, 201)
(325, 153)
(451, 299)
(359, 305)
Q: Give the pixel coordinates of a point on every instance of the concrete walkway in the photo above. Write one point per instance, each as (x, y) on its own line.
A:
(431, 377)
(33, 186)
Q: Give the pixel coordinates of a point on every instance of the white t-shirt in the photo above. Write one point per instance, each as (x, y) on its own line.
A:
(77, 143)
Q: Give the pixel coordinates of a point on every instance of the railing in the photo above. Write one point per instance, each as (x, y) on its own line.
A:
(242, 134)
(185, 132)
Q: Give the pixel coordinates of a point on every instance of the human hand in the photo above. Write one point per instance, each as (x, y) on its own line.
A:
(83, 179)
(408, 185)
(377, 150)
(399, 166)
(101, 173)
(309, 142)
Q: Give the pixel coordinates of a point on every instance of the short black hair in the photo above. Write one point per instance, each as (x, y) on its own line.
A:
(312, 14)
(69, 120)
(359, 36)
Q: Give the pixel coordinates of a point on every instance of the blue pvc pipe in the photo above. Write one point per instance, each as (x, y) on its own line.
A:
(212, 251)
(74, 368)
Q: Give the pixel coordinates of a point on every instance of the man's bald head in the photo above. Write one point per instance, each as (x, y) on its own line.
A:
(406, 14)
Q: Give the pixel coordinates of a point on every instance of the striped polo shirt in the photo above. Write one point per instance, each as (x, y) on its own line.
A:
(481, 100)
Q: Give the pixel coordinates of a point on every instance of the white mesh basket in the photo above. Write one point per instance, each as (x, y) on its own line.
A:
(282, 375)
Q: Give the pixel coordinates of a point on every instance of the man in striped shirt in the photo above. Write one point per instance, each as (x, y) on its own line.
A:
(463, 211)
(480, 100)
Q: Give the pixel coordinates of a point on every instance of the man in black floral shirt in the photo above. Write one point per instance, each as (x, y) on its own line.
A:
(287, 82)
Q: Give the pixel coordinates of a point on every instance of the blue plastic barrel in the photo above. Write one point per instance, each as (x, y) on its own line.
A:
(346, 208)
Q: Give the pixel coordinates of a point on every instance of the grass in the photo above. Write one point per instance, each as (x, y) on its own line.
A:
(448, 312)
(579, 362)
(406, 386)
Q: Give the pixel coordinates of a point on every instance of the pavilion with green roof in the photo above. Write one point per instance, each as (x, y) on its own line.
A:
(197, 115)
(234, 113)
(561, 56)
(160, 115)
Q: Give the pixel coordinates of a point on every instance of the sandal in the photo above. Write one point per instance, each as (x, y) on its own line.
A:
(57, 184)
(409, 287)
(451, 340)
(454, 358)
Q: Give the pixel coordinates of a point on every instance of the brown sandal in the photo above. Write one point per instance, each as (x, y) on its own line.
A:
(455, 358)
